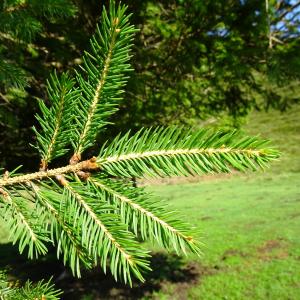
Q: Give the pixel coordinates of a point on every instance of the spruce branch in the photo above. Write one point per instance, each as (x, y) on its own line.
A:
(147, 218)
(23, 224)
(41, 290)
(53, 8)
(102, 76)
(176, 151)
(91, 221)
(56, 121)
(67, 241)
(11, 74)
(22, 20)
(87, 165)
(85, 208)
(168, 151)
(104, 234)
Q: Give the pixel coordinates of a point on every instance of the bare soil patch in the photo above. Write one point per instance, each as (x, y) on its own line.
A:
(273, 249)
(182, 180)
(233, 252)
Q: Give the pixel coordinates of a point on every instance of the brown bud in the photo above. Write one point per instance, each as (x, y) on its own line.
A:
(90, 164)
(6, 175)
(4, 193)
(62, 180)
(75, 159)
(93, 159)
(43, 165)
(83, 175)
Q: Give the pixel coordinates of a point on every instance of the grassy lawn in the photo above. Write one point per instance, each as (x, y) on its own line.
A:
(249, 225)
(250, 228)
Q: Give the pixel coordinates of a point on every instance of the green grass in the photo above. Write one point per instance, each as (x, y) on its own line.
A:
(250, 228)
(249, 224)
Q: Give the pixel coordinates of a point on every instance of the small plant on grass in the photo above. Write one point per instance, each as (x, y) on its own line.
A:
(87, 208)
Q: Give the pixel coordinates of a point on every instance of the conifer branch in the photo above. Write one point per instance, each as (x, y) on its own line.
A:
(104, 234)
(87, 165)
(21, 216)
(94, 220)
(168, 151)
(56, 121)
(174, 151)
(42, 290)
(97, 94)
(102, 76)
(97, 221)
(68, 241)
(146, 218)
(23, 228)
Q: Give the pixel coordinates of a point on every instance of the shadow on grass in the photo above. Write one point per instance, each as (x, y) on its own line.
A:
(167, 268)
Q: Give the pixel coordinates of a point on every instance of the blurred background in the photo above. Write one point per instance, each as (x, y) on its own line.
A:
(223, 64)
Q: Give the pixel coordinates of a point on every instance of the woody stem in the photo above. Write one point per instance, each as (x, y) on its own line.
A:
(87, 165)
